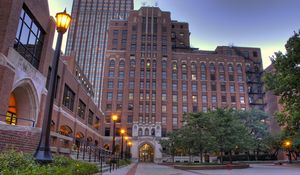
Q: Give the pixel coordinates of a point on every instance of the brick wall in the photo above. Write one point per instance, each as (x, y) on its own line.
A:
(20, 138)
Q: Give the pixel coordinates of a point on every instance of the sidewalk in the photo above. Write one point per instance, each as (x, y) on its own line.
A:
(127, 170)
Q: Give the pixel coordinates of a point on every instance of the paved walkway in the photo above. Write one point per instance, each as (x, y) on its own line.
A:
(258, 169)
(127, 170)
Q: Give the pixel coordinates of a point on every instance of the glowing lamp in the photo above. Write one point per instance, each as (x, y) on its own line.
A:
(63, 21)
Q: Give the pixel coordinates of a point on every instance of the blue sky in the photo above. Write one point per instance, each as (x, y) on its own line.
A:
(253, 23)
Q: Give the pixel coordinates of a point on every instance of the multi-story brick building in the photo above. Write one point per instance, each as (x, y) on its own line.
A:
(26, 37)
(153, 77)
(87, 36)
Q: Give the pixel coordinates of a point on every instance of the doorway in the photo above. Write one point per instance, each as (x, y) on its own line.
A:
(146, 153)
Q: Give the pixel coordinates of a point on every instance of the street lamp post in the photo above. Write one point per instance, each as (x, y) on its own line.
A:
(126, 139)
(43, 152)
(288, 145)
(122, 140)
(129, 146)
(114, 119)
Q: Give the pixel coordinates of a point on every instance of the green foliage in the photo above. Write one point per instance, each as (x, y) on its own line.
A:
(284, 82)
(219, 131)
(13, 162)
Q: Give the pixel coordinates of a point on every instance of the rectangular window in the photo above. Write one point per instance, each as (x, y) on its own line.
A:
(204, 88)
(153, 97)
(213, 77)
(222, 77)
(69, 97)
(224, 100)
(109, 96)
(213, 87)
(240, 77)
(107, 132)
(231, 77)
(204, 109)
(184, 87)
(174, 97)
(153, 109)
(108, 107)
(184, 109)
(194, 87)
(29, 38)
(129, 119)
(241, 87)
(174, 87)
(130, 96)
(90, 117)
(81, 109)
(131, 85)
(194, 98)
(97, 123)
(223, 87)
(164, 86)
(164, 97)
(204, 99)
(119, 107)
(194, 77)
(119, 96)
(195, 108)
(163, 108)
(141, 108)
(214, 99)
(163, 120)
(174, 109)
(141, 96)
(110, 85)
(232, 90)
(242, 100)
(175, 122)
(233, 100)
(184, 98)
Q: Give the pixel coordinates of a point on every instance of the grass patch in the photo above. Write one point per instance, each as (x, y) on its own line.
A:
(13, 162)
(124, 162)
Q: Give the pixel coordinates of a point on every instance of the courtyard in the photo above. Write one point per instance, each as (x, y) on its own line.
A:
(263, 169)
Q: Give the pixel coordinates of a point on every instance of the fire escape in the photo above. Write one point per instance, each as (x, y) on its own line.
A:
(254, 72)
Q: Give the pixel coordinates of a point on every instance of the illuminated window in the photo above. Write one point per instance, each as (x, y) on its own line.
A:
(11, 114)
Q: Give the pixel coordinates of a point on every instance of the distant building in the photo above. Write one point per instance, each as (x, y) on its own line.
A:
(272, 105)
(153, 77)
(26, 36)
(87, 35)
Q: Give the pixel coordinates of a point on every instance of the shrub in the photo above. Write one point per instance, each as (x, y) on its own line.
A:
(13, 162)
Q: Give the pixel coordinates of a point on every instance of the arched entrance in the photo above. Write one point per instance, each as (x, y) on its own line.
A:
(146, 153)
(22, 105)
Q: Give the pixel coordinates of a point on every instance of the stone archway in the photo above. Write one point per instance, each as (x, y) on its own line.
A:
(146, 153)
(23, 104)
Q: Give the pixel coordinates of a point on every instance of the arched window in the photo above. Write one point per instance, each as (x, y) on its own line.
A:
(148, 65)
(146, 132)
(132, 63)
(154, 64)
(152, 132)
(203, 67)
(230, 68)
(142, 64)
(212, 67)
(221, 67)
(183, 67)
(164, 64)
(239, 68)
(122, 64)
(112, 63)
(65, 130)
(140, 132)
(174, 66)
(193, 67)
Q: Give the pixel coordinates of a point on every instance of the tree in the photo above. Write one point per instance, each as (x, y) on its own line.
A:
(255, 122)
(199, 130)
(284, 82)
(229, 132)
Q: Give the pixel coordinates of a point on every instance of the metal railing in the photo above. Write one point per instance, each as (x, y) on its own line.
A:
(17, 119)
(94, 153)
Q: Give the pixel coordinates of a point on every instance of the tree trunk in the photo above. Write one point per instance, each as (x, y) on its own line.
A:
(201, 156)
(173, 158)
(221, 157)
(248, 155)
(256, 155)
(230, 156)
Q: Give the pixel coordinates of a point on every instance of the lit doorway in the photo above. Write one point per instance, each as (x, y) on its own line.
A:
(146, 153)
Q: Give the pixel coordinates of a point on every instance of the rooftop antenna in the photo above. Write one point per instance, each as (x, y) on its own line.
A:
(144, 3)
(156, 3)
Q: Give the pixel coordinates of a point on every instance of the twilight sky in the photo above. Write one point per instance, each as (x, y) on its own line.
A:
(252, 23)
